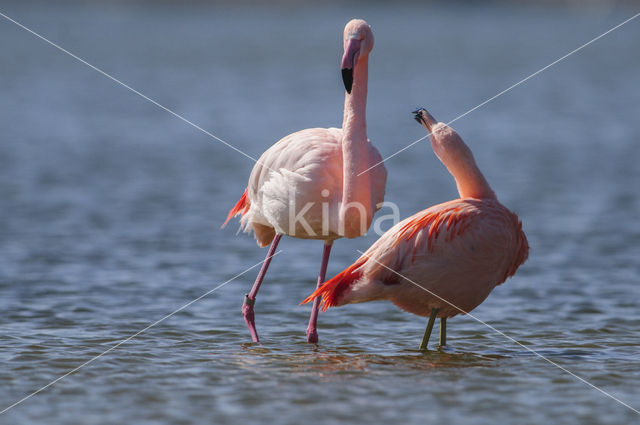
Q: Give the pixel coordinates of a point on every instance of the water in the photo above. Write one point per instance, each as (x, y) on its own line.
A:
(110, 214)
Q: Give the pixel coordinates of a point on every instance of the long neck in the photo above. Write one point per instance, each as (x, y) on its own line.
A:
(356, 198)
(469, 179)
(354, 124)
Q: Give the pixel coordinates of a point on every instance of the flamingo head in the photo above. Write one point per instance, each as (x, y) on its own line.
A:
(358, 42)
(456, 156)
(445, 141)
(424, 118)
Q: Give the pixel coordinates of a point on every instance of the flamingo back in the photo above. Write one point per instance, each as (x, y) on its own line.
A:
(457, 251)
(295, 188)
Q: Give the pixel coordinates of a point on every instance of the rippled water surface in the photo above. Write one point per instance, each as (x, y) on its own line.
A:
(110, 210)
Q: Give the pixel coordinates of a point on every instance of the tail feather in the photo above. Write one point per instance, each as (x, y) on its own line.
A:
(241, 207)
(331, 290)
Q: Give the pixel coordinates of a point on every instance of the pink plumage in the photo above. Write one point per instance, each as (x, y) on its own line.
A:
(310, 184)
(302, 173)
(459, 250)
(447, 258)
(241, 207)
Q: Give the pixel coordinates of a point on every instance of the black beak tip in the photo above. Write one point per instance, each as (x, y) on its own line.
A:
(418, 115)
(347, 78)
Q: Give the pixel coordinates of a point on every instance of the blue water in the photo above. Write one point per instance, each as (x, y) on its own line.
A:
(110, 210)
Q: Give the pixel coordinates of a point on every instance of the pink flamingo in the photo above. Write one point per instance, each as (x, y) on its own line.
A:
(308, 186)
(443, 260)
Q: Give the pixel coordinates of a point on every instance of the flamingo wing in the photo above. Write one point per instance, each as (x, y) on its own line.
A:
(302, 170)
(442, 249)
(383, 263)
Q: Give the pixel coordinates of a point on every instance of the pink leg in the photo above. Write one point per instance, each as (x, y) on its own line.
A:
(250, 298)
(312, 332)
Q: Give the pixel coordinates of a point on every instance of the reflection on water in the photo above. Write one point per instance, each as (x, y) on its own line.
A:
(328, 362)
(345, 364)
(110, 211)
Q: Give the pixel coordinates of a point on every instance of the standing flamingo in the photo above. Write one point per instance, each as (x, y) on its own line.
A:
(443, 260)
(308, 186)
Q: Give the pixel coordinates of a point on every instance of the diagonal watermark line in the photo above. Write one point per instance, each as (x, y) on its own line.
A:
(480, 105)
(134, 335)
(109, 76)
(504, 335)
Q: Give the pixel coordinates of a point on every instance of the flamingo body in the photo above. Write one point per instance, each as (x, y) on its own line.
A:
(458, 250)
(311, 184)
(444, 260)
(302, 176)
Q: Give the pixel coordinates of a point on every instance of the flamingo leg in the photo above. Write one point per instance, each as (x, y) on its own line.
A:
(250, 298)
(312, 332)
(427, 332)
(443, 331)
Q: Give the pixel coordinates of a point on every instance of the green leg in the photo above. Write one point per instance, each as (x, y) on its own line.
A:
(443, 332)
(427, 332)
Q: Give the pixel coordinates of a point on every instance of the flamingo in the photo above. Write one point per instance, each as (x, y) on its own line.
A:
(445, 259)
(308, 184)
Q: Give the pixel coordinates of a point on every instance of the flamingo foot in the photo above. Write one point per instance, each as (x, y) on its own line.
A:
(247, 313)
(312, 331)
(250, 298)
(312, 336)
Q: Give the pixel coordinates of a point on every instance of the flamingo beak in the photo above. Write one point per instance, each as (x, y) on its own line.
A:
(349, 60)
(424, 118)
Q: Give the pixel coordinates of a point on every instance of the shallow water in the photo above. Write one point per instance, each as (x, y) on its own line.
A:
(110, 214)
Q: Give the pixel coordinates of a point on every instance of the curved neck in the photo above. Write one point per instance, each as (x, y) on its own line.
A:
(469, 179)
(356, 212)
